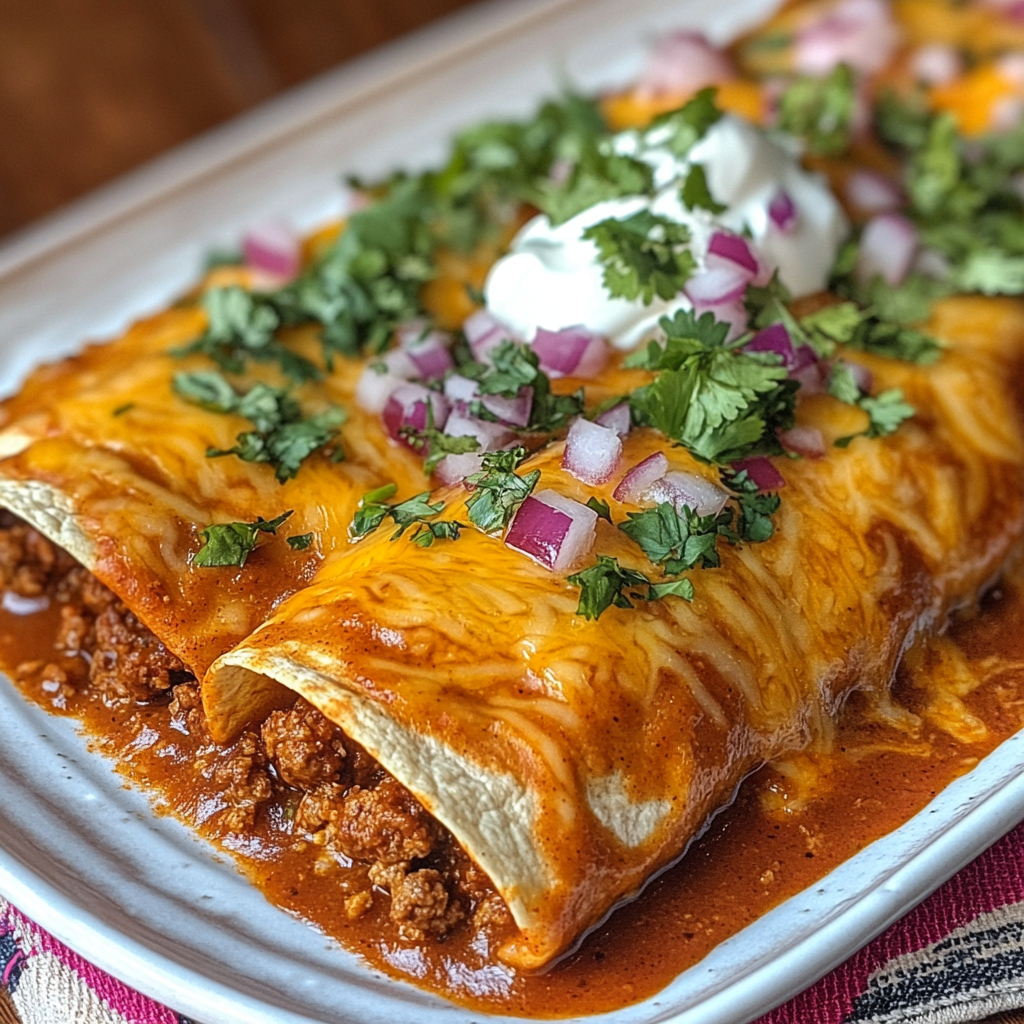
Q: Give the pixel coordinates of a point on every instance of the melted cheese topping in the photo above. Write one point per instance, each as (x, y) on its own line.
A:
(627, 732)
(133, 490)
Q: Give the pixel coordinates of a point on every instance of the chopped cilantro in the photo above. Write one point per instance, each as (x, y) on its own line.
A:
(417, 511)
(231, 543)
(512, 366)
(696, 194)
(843, 385)
(681, 129)
(435, 444)
(602, 508)
(718, 400)
(605, 584)
(300, 541)
(962, 199)
(754, 524)
(644, 255)
(122, 409)
(820, 111)
(282, 437)
(871, 331)
(600, 174)
(676, 541)
(499, 490)
(241, 326)
(886, 412)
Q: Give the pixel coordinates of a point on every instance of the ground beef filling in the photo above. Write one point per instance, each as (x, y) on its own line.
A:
(354, 814)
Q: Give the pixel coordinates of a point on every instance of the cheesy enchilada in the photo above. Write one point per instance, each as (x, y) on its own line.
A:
(410, 437)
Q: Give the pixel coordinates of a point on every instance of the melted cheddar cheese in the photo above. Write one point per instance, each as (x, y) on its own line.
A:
(574, 757)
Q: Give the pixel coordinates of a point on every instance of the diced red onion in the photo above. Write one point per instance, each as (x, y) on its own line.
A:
(510, 410)
(553, 530)
(460, 389)
(774, 339)
(454, 468)
(782, 211)
(680, 64)
(734, 250)
(717, 286)
(484, 334)
(490, 436)
(689, 490)
(805, 441)
(862, 376)
(374, 387)
(570, 352)
(1014, 10)
(803, 356)
(936, 64)
(407, 407)
(640, 477)
(1006, 113)
(860, 33)
(887, 248)
(274, 249)
(478, 324)
(809, 378)
(592, 452)
(764, 475)
(870, 192)
(430, 355)
(617, 418)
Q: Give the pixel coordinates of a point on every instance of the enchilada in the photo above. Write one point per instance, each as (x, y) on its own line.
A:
(250, 513)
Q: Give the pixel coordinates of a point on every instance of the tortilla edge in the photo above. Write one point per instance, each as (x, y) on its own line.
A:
(52, 512)
(446, 783)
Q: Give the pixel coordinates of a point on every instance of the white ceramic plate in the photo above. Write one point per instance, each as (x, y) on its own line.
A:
(138, 894)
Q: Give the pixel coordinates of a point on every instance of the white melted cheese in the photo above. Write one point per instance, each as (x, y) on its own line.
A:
(552, 276)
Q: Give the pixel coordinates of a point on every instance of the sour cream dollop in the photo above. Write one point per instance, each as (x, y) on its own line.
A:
(552, 278)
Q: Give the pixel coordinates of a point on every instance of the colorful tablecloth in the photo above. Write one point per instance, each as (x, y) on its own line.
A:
(955, 959)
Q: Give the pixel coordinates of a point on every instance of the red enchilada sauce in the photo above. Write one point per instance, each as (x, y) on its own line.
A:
(955, 699)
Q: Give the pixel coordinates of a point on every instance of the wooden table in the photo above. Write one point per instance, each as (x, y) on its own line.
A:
(91, 88)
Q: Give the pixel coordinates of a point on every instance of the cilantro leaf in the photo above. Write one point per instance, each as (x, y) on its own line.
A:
(677, 541)
(300, 541)
(510, 367)
(696, 194)
(754, 524)
(820, 111)
(681, 587)
(282, 437)
(886, 412)
(843, 385)
(719, 401)
(499, 490)
(602, 508)
(644, 255)
(604, 584)
(600, 175)
(227, 544)
(681, 129)
(417, 511)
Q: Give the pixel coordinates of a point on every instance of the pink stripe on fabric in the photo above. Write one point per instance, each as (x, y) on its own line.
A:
(994, 880)
(133, 1006)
